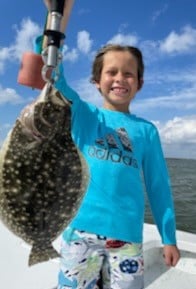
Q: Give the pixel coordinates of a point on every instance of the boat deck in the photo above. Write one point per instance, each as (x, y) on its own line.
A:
(157, 275)
(14, 256)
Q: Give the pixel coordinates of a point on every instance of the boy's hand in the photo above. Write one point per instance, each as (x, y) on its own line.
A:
(171, 255)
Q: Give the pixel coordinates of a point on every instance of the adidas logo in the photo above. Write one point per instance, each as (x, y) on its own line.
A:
(116, 148)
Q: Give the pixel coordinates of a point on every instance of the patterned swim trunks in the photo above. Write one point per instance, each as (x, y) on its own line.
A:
(90, 261)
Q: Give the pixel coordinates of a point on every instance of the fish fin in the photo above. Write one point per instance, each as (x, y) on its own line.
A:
(40, 254)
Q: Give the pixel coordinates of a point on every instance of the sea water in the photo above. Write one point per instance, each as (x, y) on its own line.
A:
(183, 180)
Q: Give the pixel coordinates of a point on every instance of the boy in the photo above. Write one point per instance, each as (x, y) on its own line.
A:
(104, 240)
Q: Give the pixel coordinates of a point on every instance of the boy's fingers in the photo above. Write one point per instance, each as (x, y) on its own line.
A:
(171, 259)
(167, 259)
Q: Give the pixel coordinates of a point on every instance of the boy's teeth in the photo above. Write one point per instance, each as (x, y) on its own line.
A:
(119, 90)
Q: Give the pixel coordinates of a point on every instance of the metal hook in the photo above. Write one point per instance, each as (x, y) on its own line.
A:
(50, 71)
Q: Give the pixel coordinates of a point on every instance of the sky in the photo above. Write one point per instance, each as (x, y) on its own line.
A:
(165, 31)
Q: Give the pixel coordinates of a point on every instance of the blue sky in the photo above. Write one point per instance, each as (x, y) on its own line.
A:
(165, 31)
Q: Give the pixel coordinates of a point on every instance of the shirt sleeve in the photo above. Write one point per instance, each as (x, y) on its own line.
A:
(158, 189)
(60, 83)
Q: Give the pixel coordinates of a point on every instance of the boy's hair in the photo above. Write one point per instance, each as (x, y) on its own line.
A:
(98, 61)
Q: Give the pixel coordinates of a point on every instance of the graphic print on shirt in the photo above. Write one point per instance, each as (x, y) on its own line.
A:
(116, 147)
(124, 138)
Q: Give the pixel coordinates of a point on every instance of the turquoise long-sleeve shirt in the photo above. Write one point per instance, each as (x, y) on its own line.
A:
(121, 150)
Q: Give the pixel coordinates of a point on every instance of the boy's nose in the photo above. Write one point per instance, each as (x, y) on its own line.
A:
(119, 76)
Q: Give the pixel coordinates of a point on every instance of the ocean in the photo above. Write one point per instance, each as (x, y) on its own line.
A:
(183, 180)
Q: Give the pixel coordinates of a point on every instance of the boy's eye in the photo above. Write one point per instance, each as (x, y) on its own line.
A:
(125, 74)
(111, 72)
(129, 74)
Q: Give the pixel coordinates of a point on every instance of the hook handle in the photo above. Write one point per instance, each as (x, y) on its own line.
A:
(57, 6)
(51, 55)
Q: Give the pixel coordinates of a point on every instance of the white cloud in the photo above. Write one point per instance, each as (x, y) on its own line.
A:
(25, 34)
(179, 130)
(180, 43)
(123, 27)
(180, 87)
(159, 12)
(186, 75)
(9, 95)
(88, 91)
(70, 55)
(150, 51)
(124, 39)
(183, 42)
(178, 136)
(4, 56)
(84, 43)
(182, 100)
(174, 44)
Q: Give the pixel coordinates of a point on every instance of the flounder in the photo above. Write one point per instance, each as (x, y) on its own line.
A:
(42, 174)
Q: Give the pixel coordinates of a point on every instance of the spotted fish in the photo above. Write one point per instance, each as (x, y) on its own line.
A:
(42, 174)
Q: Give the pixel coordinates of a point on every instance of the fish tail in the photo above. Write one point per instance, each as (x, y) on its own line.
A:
(39, 254)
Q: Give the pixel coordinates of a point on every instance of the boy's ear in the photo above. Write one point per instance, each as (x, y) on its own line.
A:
(140, 83)
(96, 84)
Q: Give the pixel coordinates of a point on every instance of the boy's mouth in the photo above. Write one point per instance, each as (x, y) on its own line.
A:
(119, 91)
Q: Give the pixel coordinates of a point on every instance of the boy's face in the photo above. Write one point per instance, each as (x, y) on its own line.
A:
(119, 80)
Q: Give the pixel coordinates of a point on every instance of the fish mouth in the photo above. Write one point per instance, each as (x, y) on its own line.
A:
(28, 119)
